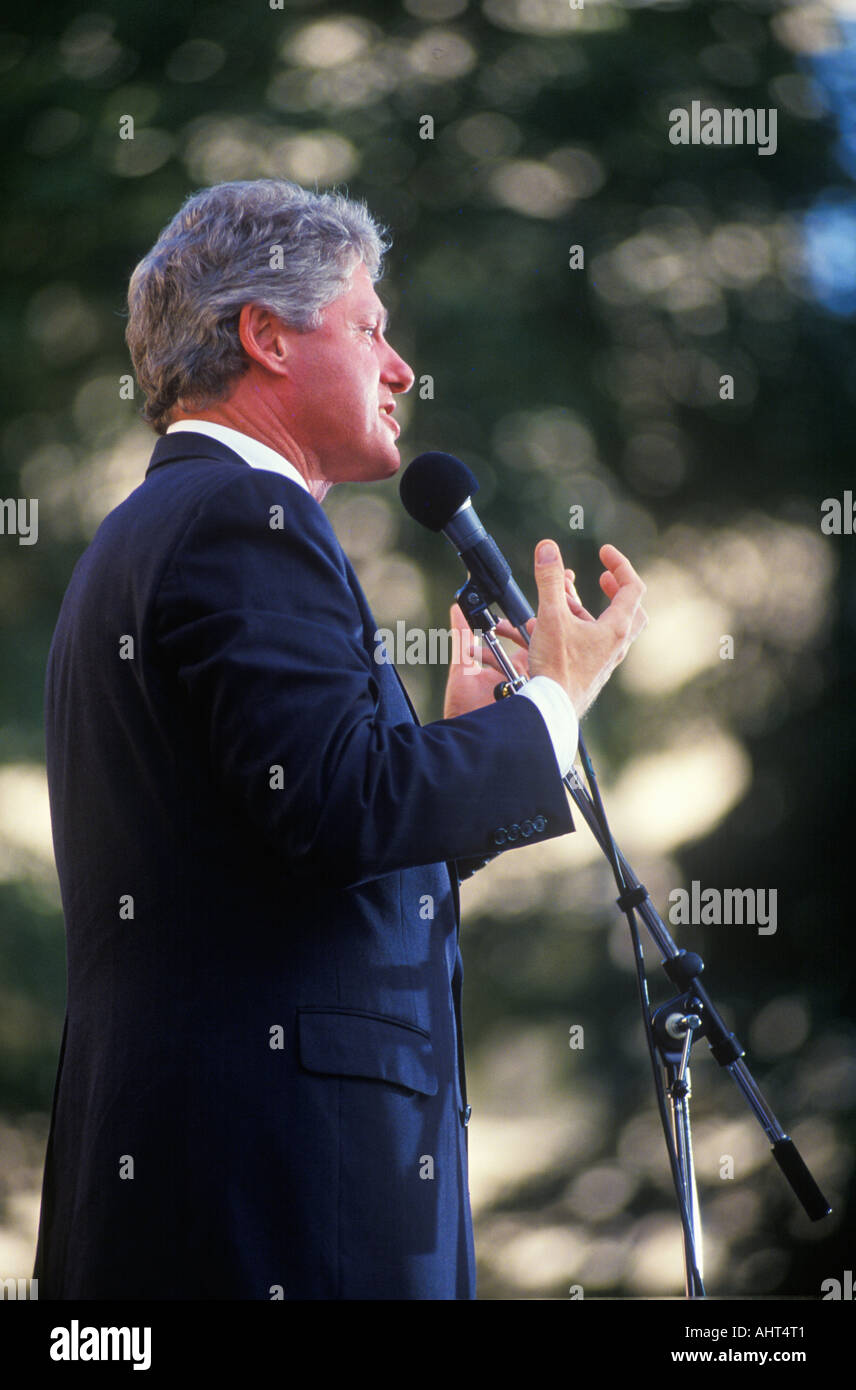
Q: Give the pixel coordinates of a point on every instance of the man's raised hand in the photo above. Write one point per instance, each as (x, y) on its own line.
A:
(567, 643)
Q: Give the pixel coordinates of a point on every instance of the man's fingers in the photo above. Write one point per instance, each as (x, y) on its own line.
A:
(609, 584)
(570, 587)
(623, 588)
(619, 565)
(505, 629)
(483, 654)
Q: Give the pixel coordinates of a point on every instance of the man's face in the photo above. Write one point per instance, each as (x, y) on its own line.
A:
(342, 379)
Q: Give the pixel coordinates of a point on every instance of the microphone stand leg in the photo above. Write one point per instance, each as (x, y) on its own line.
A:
(679, 1089)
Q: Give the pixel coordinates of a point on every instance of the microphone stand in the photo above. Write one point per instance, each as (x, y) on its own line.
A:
(690, 1014)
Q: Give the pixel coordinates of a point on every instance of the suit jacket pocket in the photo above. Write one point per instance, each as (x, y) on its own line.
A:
(341, 1042)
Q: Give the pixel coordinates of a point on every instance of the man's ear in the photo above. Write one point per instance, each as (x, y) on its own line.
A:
(264, 337)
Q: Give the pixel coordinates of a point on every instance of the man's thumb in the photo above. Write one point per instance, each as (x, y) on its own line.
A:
(549, 570)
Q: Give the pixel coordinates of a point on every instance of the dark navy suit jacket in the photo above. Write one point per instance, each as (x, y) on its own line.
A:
(261, 1087)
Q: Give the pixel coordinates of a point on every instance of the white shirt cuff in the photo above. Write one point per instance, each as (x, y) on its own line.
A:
(558, 714)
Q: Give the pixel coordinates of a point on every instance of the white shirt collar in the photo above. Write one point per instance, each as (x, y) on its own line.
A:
(252, 451)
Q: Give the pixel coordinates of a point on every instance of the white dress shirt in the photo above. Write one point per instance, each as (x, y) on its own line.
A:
(546, 694)
(252, 451)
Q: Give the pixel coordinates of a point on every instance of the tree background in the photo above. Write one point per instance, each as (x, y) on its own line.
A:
(596, 387)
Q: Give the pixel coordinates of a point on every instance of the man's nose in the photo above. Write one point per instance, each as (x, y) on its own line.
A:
(397, 375)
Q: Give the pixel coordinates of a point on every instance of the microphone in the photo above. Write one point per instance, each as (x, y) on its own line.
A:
(436, 490)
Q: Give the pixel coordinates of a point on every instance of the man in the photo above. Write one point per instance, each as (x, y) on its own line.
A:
(261, 1087)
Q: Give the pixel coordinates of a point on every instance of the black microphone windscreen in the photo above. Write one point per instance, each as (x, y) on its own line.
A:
(433, 487)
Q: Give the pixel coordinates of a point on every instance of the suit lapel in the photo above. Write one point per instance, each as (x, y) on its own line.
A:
(369, 627)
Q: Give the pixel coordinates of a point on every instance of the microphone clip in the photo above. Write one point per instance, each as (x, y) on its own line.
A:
(475, 608)
(482, 621)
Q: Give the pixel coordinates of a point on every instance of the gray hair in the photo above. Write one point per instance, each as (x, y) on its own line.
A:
(265, 241)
